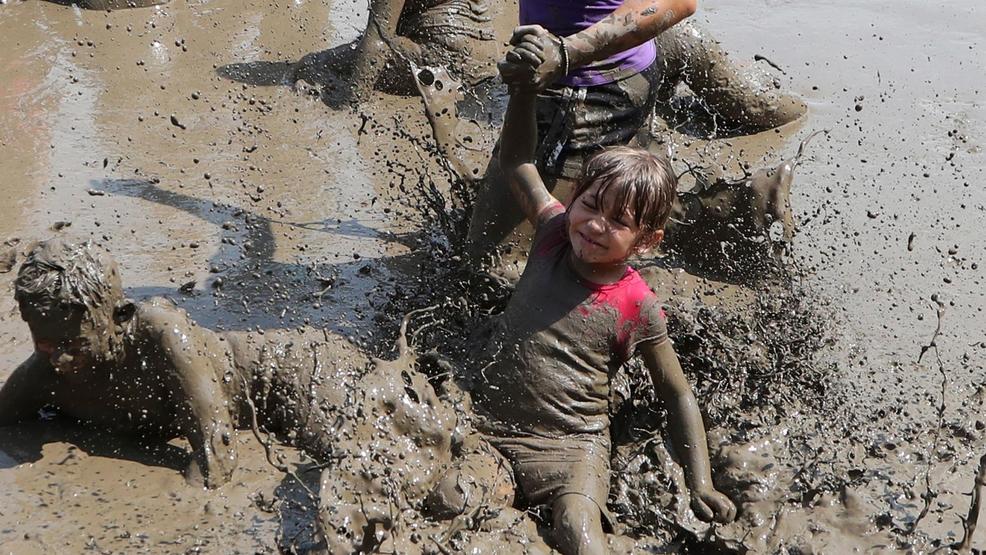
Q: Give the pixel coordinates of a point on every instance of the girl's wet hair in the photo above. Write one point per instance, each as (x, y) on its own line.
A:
(59, 273)
(642, 182)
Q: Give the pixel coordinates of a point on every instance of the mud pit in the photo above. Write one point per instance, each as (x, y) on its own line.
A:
(274, 210)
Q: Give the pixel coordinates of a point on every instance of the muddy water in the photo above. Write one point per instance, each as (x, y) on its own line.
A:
(900, 88)
(279, 209)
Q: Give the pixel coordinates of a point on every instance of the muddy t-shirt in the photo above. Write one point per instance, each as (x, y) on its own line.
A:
(546, 369)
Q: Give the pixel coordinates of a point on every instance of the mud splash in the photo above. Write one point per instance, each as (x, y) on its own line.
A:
(890, 470)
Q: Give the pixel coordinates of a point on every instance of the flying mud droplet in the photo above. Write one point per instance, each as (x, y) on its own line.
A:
(176, 123)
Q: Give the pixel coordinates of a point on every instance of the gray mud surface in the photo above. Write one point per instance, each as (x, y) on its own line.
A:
(167, 134)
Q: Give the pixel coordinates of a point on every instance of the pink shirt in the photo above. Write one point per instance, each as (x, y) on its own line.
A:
(547, 367)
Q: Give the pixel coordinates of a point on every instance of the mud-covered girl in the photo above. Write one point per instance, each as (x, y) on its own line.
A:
(578, 313)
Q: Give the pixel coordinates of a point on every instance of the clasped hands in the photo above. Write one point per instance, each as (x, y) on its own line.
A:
(536, 60)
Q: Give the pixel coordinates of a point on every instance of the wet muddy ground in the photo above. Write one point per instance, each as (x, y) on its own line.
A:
(166, 135)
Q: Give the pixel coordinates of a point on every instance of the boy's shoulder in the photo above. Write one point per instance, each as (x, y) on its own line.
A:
(159, 314)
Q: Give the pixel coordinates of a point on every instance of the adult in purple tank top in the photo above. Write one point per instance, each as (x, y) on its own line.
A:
(564, 18)
(598, 81)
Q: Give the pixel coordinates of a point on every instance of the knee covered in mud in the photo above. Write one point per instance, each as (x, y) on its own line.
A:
(480, 477)
(744, 99)
(396, 440)
(456, 34)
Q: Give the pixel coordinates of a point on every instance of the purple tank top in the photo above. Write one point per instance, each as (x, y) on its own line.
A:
(567, 17)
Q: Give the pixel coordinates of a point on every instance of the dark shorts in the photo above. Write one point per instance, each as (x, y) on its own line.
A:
(574, 122)
(545, 469)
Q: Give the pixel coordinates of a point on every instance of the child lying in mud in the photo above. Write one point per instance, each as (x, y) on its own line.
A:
(578, 313)
(146, 368)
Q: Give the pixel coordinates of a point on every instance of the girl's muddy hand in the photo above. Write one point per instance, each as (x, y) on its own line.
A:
(516, 76)
(710, 505)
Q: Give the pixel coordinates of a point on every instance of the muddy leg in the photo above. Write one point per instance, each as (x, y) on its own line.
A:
(495, 213)
(742, 98)
(480, 478)
(748, 215)
(578, 526)
(382, 57)
(497, 219)
(350, 522)
(440, 92)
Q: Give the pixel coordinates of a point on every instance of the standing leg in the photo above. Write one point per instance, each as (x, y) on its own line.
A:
(495, 213)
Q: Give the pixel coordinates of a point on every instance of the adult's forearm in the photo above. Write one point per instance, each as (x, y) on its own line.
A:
(632, 24)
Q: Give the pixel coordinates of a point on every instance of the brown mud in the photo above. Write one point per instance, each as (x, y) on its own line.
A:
(254, 206)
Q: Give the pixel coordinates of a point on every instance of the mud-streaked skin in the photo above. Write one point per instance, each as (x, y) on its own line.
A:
(167, 376)
(379, 425)
(742, 98)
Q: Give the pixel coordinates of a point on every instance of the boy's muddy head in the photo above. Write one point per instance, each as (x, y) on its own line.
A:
(642, 184)
(71, 297)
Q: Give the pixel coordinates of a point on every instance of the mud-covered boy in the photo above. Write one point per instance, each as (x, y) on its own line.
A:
(147, 369)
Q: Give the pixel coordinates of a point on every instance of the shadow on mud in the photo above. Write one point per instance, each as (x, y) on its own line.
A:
(297, 508)
(23, 444)
(327, 72)
(248, 289)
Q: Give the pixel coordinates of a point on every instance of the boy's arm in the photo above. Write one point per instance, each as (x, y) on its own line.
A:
(518, 141)
(22, 394)
(687, 431)
(203, 410)
(633, 23)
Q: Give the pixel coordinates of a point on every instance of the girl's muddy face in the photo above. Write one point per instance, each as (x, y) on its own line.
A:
(600, 235)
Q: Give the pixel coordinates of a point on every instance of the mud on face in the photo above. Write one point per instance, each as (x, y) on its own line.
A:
(71, 298)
